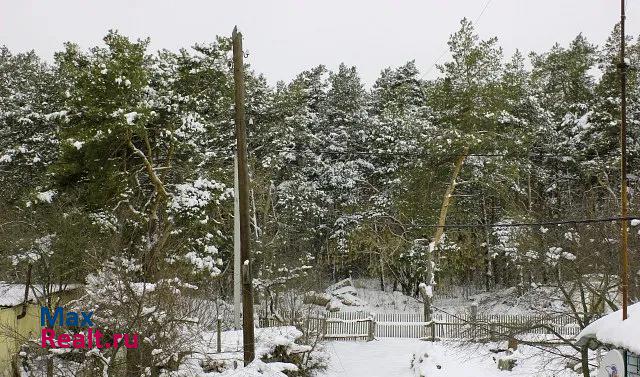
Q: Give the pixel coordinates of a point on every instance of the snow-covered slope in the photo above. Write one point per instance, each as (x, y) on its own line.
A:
(501, 301)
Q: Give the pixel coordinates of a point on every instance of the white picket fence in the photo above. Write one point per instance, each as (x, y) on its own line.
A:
(365, 325)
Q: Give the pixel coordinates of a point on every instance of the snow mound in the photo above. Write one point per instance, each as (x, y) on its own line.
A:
(611, 329)
(207, 362)
(343, 293)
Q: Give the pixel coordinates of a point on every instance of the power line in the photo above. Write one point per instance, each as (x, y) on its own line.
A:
(444, 51)
(486, 5)
(397, 153)
(512, 225)
(505, 225)
(526, 224)
(530, 155)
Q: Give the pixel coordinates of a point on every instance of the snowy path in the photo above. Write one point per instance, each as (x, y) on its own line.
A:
(389, 357)
(380, 358)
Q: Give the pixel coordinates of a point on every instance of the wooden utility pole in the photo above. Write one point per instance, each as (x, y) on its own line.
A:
(237, 258)
(624, 252)
(248, 338)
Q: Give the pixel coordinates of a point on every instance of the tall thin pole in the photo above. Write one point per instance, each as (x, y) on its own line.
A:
(237, 263)
(248, 338)
(623, 166)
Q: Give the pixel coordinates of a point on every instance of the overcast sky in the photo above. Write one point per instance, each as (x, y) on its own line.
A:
(285, 37)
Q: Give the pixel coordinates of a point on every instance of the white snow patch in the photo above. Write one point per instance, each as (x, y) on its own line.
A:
(13, 294)
(131, 117)
(46, 196)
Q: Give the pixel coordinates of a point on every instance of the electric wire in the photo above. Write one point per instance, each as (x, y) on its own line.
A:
(444, 51)
(528, 224)
(530, 155)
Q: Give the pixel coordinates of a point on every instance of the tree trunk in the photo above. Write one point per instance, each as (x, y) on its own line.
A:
(49, 366)
(426, 289)
(446, 201)
(381, 273)
(133, 362)
(584, 359)
(488, 273)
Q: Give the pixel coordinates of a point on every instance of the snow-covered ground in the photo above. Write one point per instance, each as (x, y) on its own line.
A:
(365, 295)
(384, 357)
(536, 300)
(393, 358)
(204, 360)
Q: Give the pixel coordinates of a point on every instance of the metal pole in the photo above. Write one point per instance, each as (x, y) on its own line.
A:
(623, 167)
(248, 338)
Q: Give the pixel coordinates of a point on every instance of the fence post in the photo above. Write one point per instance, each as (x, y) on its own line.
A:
(513, 342)
(474, 320)
(433, 330)
(219, 335)
(324, 327)
(372, 328)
